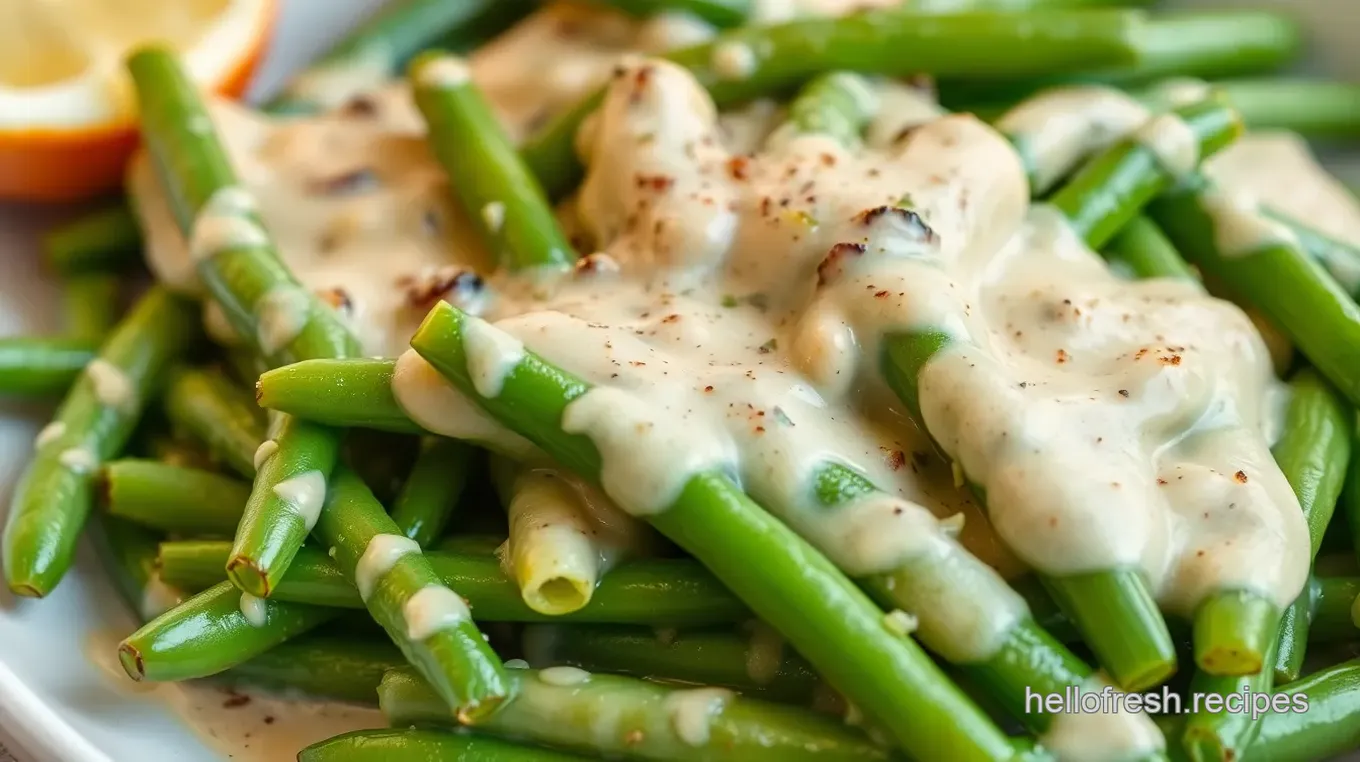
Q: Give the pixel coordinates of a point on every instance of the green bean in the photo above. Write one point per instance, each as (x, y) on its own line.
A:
(326, 666)
(91, 304)
(1112, 187)
(1141, 250)
(417, 744)
(42, 367)
(1340, 258)
(376, 51)
(1229, 239)
(611, 715)
(769, 567)
(212, 632)
(1333, 600)
(345, 393)
(422, 615)
(661, 592)
(173, 499)
(1213, 44)
(839, 104)
(500, 196)
(1314, 108)
(1322, 720)
(758, 665)
(206, 406)
(887, 42)
(1312, 453)
(719, 13)
(98, 416)
(1232, 628)
(284, 503)
(101, 241)
(260, 297)
(1025, 660)
(1113, 609)
(1223, 734)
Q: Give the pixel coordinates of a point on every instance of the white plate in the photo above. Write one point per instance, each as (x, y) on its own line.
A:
(60, 704)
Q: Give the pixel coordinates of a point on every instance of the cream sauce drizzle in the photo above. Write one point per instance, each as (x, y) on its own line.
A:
(433, 609)
(380, 555)
(305, 494)
(1056, 129)
(1110, 422)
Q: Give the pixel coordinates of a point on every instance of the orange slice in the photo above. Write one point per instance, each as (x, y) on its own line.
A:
(67, 110)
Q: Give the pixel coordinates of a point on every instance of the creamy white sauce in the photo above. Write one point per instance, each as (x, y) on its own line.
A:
(216, 233)
(563, 677)
(1240, 229)
(1055, 130)
(380, 555)
(111, 385)
(446, 72)
(305, 494)
(692, 712)
(493, 215)
(734, 60)
(1104, 736)
(900, 623)
(1172, 142)
(435, 405)
(564, 534)
(1278, 170)
(433, 609)
(79, 459)
(255, 610)
(738, 326)
(491, 354)
(264, 452)
(280, 316)
(49, 434)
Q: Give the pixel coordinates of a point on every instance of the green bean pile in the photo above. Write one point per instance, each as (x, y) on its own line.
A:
(288, 523)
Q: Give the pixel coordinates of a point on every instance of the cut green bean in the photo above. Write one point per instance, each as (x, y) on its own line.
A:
(1333, 607)
(1141, 250)
(759, 665)
(427, 620)
(838, 104)
(1312, 453)
(836, 627)
(1212, 735)
(1321, 719)
(660, 592)
(107, 240)
(42, 367)
(206, 406)
(1108, 192)
(416, 744)
(260, 297)
(324, 666)
(1227, 237)
(1340, 258)
(611, 715)
(345, 393)
(499, 194)
(1232, 629)
(91, 303)
(887, 42)
(212, 632)
(98, 416)
(1313, 108)
(172, 499)
(1114, 609)
(290, 485)
(432, 489)
(1214, 44)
